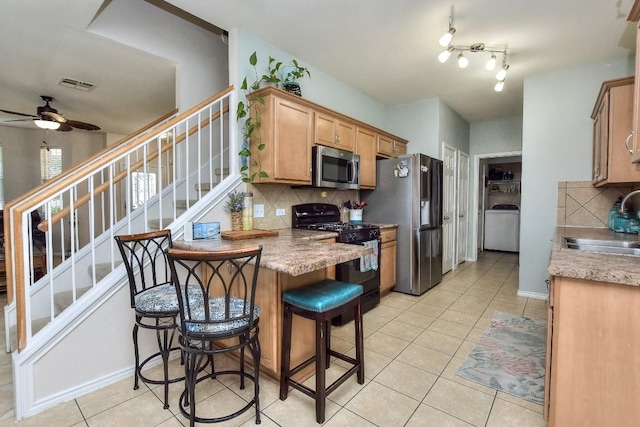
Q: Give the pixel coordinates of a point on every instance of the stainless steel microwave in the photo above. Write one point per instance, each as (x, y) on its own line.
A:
(335, 168)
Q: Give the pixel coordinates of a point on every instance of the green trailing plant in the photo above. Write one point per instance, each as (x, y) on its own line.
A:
(249, 111)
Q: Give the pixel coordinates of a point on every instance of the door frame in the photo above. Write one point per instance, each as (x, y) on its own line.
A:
(457, 260)
(473, 242)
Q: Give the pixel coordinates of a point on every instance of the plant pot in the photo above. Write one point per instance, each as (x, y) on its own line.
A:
(236, 221)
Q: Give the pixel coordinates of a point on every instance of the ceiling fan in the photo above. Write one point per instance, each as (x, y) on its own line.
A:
(48, 118)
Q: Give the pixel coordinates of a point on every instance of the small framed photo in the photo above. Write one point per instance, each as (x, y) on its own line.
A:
(202, 231)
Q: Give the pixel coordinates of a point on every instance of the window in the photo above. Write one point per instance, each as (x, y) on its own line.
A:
(143, 187)
(50, 167)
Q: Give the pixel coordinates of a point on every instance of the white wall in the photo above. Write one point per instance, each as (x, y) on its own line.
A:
(419, 123)
(321, 88)
(21, 152)
(454, 130)
(556, 146)
(200, 56)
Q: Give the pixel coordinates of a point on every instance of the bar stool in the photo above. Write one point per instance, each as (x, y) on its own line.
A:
(321, 302)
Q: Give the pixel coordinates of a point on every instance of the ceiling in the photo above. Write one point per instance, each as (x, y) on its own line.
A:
(385, 49)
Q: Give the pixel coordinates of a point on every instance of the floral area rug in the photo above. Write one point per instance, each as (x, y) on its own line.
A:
(510, 357)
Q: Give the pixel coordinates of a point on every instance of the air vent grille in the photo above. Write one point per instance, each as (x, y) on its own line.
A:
(76, 84)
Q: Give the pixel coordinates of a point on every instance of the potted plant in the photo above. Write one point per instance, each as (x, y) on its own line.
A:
(250, 111)
(234, 205)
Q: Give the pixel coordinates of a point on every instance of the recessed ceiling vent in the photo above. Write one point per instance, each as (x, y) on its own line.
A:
(76, 84)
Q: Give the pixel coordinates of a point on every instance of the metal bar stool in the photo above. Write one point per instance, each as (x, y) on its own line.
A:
(217, 293)
(321, 302)
(153, 297)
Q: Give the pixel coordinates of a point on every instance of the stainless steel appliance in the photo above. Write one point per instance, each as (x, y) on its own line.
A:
(326, 217)
(409, 193)
(335, 168)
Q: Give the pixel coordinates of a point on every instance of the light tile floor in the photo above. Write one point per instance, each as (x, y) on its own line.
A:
(413, 347)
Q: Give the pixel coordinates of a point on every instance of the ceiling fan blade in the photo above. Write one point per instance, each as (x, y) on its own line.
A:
(81, 125)
(55, 116)
(17, 114)
(17, 120)
(64, 127)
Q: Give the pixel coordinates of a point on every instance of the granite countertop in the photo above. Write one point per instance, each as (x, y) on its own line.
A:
(293, 251)
(622, 269)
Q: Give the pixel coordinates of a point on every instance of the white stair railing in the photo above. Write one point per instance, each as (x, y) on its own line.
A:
(145, 183)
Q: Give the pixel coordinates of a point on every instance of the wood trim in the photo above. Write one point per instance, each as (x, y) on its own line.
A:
(634, 13)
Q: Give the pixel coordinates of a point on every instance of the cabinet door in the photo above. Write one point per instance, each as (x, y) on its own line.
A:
(400, 148)
(366, 148)
(388, 265)
(619, 168)
(332, 132)
(598, 143)
(293, 135)
(636, 92)
(385, 146)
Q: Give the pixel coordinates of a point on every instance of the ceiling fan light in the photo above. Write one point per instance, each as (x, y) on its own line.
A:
(46, 124)
(502, 73)
(445, 54)
(462, 61)
(491, 63)
(499, 86)
(446, 38)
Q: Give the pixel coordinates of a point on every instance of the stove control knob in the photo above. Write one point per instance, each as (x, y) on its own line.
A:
(351, 237)
(374, 233)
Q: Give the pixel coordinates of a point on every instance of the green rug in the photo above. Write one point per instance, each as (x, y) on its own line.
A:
(510, 357)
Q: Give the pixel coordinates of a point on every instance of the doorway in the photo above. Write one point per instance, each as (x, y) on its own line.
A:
(489, 192)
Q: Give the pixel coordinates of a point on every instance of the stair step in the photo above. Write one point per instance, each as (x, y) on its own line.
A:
(62, 300)
(154, 224)
(36, 326)
(102, 269)
(182, 204)
(205, 186)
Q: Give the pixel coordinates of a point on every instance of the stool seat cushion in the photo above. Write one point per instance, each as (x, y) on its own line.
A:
(219, 323)
(158, 300)
(322, 296)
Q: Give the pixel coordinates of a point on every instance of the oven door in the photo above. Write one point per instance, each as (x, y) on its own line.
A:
(350, 272)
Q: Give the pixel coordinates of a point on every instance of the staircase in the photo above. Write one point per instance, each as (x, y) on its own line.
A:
(70, 329)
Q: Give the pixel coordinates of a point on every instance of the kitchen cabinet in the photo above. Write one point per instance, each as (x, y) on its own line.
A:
(593, 374)
(389, 147)
(366, 148)
(388, 251)
(634, 16)
(613, 117)
(333, 132)
(287, 132)
(291, 125)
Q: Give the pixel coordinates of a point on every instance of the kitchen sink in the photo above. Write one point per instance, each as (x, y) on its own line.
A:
(608, 246)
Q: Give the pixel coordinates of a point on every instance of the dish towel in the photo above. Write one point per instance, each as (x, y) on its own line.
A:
(370, 261)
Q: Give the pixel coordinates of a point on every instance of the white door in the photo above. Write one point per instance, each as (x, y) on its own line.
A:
(463, 206)
(448, 207)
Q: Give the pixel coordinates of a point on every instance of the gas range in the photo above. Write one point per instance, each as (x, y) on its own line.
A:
(325, 217)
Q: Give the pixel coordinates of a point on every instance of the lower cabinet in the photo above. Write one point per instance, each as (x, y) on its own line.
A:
(387, 259)
(593, 374)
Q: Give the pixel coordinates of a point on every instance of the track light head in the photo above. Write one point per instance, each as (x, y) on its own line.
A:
(502, 73)
(446, 38)
(462, 61)
(445, 54)
(491, 63)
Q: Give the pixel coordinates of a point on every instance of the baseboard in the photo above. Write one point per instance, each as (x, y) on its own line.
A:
(533, 295)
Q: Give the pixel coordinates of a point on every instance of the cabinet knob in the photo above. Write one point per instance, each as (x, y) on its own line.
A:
(626, 143)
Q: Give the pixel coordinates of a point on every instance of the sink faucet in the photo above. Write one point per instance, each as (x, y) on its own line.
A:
(626, 197)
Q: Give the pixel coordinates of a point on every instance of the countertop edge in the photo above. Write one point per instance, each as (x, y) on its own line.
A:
(611, 268)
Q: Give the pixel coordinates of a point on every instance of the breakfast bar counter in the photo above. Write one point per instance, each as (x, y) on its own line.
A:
(292, 259)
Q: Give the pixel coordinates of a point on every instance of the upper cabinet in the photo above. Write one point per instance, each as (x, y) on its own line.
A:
(613, 122)
(287, 132)
(291, 125)
(366, 148)
(634, 16)
(388, 146)
(333, 132)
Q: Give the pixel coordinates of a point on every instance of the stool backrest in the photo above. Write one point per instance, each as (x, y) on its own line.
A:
(221, 289)
(145, 259)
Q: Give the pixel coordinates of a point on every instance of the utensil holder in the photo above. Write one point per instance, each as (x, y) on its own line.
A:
(355, 215)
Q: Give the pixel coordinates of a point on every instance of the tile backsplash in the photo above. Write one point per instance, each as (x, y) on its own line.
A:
(280, 196)
(580, 204)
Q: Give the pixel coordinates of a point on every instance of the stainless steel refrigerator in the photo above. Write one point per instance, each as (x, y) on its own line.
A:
(409, 193)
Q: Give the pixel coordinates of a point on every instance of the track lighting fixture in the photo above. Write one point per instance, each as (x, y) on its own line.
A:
(447, 38)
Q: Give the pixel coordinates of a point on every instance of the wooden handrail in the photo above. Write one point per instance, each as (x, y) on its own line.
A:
(80, 201)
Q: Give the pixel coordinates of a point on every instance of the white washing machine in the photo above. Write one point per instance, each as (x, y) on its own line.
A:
(502, 228)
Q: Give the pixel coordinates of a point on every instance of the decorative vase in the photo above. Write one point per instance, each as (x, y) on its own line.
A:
(236, 221)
